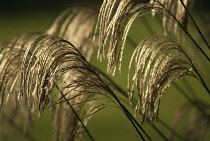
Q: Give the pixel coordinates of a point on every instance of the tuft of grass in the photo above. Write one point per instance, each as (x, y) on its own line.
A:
(51, 70)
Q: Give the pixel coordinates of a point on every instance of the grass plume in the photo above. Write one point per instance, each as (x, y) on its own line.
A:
(52, 70)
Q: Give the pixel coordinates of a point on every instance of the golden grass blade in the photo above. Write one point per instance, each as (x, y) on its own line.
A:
(20, 113)
(175, 7)
(111, 22)
(158, 61)
(114, 22)
(77, 25)
(10, 106)
(53, 64)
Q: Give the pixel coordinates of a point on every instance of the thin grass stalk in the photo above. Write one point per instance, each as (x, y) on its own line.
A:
(128, 115)
(201, 80)
(195, 24)
(67, 101)
(198, 74)
(182, 27)
(145, 133)
(119, 89)
(86, 67)
(131, 120)
(125, 111)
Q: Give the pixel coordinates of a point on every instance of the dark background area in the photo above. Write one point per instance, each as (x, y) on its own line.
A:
(201, 4)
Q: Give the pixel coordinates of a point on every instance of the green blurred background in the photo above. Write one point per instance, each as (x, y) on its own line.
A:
(17, 17)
